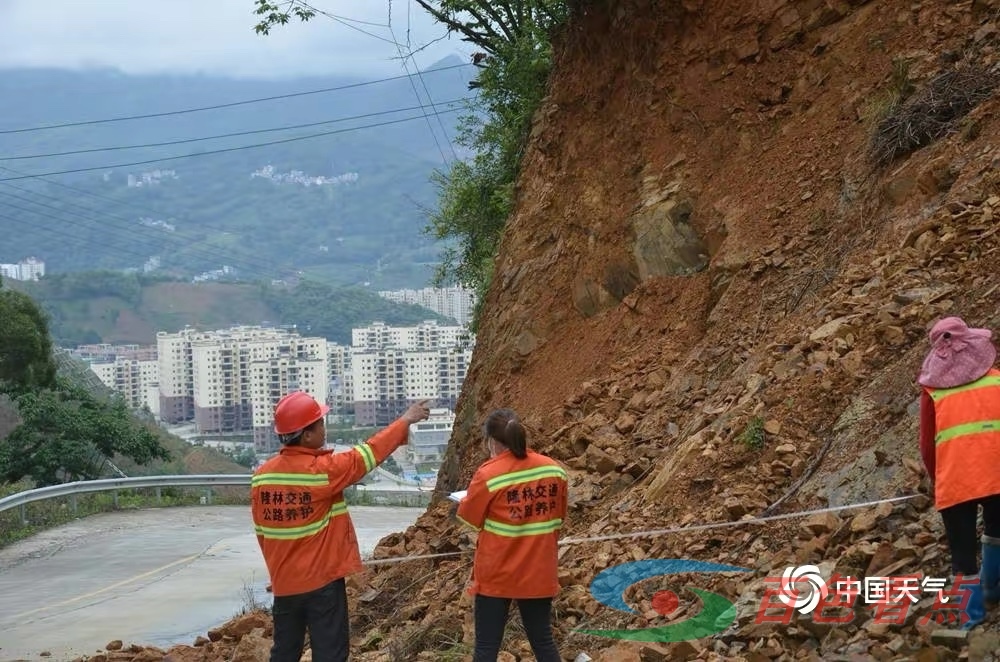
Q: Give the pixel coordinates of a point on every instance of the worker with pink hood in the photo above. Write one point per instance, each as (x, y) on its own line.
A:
(960, 445)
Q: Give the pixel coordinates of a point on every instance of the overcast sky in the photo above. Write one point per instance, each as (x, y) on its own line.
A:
(213, 37)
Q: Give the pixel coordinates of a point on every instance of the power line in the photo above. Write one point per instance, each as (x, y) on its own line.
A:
(222, 135)
(219, 151)
(218, 106)
(64, 235)
(136, 235)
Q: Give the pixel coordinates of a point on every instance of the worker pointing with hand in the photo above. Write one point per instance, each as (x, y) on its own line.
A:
(303, 528)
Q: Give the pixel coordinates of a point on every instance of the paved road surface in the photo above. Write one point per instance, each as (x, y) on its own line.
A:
(160, 577)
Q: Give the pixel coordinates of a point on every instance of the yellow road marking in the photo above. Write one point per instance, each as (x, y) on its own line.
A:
(106, 588)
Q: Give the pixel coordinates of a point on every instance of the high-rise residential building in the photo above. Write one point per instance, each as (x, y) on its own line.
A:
(395, 366)
(132, 371)
(454, 302)
(340, 388)
(230, 380)
(425, 336)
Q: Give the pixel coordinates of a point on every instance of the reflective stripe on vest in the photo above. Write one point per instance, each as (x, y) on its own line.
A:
(290, 480)
(955, 422)
(525, 476)
(304, 531)
(521, 530)
(982, 382)
(367, 455)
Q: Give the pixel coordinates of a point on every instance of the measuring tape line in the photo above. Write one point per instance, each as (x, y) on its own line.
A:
(676, 529)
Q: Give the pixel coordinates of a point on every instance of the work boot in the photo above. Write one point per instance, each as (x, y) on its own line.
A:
(989, 573)
(975, 609)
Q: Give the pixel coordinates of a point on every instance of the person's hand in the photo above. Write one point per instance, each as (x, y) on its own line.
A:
(417, 412)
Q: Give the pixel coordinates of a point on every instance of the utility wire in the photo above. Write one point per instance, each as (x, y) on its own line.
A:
(429, 98)
(218, 106)
(97, 196)
(135, 234)
(219, 151)
(64, 235)
(223, 135)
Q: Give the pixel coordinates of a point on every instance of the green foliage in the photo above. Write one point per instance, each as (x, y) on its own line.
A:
(245, 457)
(65, 431)
(476, 197)
(68, 434)
(276, 14)
(25, 347)
(753, 435)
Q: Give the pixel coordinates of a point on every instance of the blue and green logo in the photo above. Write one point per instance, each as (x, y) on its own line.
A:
(717, 613)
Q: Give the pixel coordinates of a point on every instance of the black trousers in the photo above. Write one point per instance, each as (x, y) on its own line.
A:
(960, 527)
(324, 613)
(491, 618)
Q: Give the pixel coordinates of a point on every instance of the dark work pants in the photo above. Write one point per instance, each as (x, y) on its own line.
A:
(960, 527)
(324, 613)
(491, 617)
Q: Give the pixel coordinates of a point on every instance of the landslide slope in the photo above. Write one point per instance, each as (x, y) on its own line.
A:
(711, 302)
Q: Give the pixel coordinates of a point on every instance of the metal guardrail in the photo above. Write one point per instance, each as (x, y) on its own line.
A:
(112, 484)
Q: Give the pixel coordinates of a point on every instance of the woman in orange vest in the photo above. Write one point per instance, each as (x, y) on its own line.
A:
(960, 446)
(517, 500)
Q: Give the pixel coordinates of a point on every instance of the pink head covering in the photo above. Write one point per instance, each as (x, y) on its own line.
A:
(958, 355)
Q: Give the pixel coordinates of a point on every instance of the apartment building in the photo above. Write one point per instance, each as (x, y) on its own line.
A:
(229, 381)
(27, 269)
(423, 337)
(132, 371)
(454, 302)
(340, 384)
(388, 380)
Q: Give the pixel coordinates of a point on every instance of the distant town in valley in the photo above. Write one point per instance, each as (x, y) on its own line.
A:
(219, 387)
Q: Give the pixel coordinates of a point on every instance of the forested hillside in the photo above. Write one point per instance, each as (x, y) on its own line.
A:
(103, 306)
(346, 205)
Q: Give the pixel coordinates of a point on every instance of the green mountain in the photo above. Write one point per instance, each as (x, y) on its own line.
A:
(94, 307)
(347, 208)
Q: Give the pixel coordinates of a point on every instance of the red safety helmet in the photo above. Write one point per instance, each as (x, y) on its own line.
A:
(296, 411)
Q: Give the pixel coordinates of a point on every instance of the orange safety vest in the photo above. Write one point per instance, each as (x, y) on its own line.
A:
(519, 507)
(300, 516)
(967, 440)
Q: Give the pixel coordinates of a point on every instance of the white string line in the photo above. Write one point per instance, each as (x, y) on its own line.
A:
(676, 529)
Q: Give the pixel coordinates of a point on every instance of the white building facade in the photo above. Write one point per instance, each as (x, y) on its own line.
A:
(393, 367)
(229, 381)
(30, 268)
(454, 302)
(132, 371)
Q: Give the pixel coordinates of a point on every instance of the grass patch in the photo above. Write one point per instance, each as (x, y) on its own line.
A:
(753, 435)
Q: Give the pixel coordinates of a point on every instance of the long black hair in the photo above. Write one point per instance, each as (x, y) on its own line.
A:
(504, 426)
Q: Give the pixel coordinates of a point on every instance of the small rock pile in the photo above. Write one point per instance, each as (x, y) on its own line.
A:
(246, 638)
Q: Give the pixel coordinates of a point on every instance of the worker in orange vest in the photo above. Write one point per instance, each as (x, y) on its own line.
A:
(517, 500)
(960, 446)
(303, 528)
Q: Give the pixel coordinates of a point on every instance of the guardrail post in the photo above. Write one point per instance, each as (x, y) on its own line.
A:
(208, 496)
(159, 496)
(72, 503)
(115, 494)
(24, 515)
